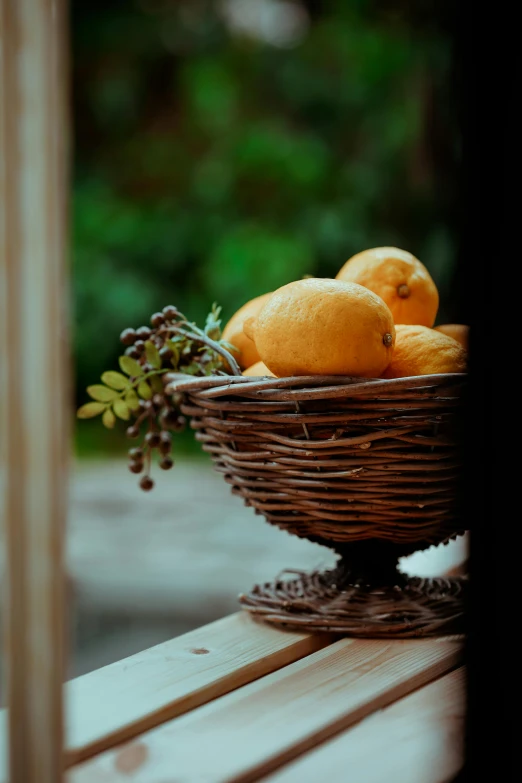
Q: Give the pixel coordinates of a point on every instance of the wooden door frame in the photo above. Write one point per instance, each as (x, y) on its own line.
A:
(34, 376)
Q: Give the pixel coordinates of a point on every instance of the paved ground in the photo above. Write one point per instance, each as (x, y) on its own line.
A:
(148, 566)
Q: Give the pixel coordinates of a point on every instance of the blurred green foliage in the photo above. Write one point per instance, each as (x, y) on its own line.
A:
(210, 166)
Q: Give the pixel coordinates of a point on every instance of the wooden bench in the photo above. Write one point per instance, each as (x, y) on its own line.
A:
(266, 704)
(237, 700)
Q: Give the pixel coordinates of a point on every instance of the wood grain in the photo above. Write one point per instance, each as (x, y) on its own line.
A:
(34, 380)
(257, 728)
(418, 739)
(117, 702)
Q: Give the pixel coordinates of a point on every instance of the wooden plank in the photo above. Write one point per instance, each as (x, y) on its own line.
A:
(113, 704)
(34, 380)
(419, 739)
(257, 728)
(119, 701)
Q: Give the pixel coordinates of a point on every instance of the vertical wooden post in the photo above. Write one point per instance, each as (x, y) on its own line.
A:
(34, 396)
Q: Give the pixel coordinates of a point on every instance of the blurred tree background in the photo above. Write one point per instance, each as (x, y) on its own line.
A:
(223, 149)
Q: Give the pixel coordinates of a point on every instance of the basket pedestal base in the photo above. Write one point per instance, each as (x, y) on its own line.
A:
(361, 604)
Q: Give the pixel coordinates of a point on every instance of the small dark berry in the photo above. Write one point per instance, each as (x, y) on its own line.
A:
(170, 312)
(136, 454)
(145, 405)
(165, 353)
(146, 483)
(147, 367)
(143, 332)
(132, 351)
(179, 424)
(157, 319)
(165, 442)
(168, 418)
(136, 467)
(139, 345)
(128, 336)
(152, 439)
(133, 432)
(166, 463)
(158, 400)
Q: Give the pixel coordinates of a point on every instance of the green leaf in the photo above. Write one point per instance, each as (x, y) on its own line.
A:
(157, 384)
(213, 323)
(144, 390)
(192, 369)
(109, 419)
(175, 352)
(121, 409)
(115, 380)
(131, 398)
(101, 393)
(89, 410)
(130, 366)
(152, 354)
(212, 365)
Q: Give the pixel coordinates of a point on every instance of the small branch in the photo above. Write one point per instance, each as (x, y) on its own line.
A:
(203, 338)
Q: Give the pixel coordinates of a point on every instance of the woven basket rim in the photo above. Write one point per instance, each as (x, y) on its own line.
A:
(324, 384)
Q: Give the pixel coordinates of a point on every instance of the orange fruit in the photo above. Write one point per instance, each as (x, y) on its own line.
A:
(324, 327)
(258, 369)
(234, 334)
(400, 279)
(459, 332)
(420, 350)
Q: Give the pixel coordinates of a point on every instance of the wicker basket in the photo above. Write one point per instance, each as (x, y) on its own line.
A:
(367, 467)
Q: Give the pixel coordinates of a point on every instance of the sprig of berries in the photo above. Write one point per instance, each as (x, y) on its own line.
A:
(138, 391)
